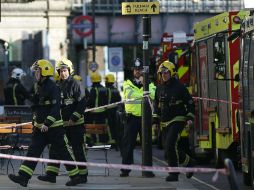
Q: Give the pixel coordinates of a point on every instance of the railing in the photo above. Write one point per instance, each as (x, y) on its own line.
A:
(166, 6)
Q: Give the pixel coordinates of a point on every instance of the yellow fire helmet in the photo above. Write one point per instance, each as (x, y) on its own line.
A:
(64, 62)
(167, 66)
(110, 78)
(56, 76)
(77, 77)
(95, 77)
(46, 67)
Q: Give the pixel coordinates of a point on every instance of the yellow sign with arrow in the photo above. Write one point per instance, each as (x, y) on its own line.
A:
(140, 8)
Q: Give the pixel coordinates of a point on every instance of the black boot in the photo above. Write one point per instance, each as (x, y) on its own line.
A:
(124, 174)
(83, 178)
(47, 178)
(172, 177)
(23, 181)
(75, 181)
(190, 164)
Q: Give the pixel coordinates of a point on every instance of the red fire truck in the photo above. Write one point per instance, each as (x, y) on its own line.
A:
(215, 85)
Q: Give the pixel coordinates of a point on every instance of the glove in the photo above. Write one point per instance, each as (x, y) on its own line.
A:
(44, 128)
(189, 122)
(71, 122)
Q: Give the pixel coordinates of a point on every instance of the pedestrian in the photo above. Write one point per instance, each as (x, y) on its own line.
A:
(14, 92)
(72, 110)
(48, 126)
(133, 89)
(174, 107)
(113, 96)
(98, 96)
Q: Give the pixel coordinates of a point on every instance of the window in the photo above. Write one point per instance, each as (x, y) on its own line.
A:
(219, 57)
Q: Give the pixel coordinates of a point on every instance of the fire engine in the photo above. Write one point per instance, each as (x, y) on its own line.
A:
(176, 48)
(246, 103)
(215, 84)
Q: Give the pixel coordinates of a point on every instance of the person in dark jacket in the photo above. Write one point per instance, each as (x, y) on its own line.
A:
(174, 107)
(14, 92)
(113, 96)
(98, 96)
(72, 109)
(48, 126)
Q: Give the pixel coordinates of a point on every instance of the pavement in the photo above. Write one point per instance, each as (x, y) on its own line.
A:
(97, 178)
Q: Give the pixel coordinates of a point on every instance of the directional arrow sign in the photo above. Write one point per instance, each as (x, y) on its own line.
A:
(140, 8)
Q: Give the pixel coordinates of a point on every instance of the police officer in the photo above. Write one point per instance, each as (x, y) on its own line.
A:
(175, 107)
(14, 92)
(133, 89)
(98, 96)
(72, 110)
(113, 96)
(48, 126)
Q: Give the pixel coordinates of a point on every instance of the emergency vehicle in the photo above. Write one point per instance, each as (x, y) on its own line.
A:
(176, 48)
(246, 103)
(215, 84)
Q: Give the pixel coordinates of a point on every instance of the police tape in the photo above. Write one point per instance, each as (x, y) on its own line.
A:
(121, 166)
(112, 105)
(215, 100)
(108, 106)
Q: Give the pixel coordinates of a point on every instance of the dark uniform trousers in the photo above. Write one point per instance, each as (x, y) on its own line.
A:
(56, 138)
(76, 137)
(173, 152)
(131, 130)
(112, 123)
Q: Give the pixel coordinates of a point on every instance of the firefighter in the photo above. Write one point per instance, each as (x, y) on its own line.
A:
(174, 107)
(98, 96)
(72, 111)
(113, 96)
(14, 92)
(133, 89)
(48, 126)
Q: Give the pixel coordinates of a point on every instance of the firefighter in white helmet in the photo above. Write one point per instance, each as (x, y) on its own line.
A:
(14, 92)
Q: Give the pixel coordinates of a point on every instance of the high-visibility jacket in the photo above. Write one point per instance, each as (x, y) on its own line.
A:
(132, 90)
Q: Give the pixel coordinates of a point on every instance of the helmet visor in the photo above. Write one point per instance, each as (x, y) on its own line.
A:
(163, 70)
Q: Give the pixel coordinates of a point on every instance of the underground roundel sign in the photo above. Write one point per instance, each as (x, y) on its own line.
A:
(83, 25)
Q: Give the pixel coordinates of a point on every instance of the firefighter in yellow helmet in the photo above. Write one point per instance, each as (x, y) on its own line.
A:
(48, 126)
(133, 89)
(113, 96)
(98, 96)
(174, 107)
(72, 110)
